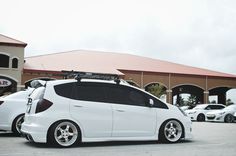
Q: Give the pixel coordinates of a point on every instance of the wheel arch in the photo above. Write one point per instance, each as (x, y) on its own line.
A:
(14, 118)
(163, 124)
(64, 120)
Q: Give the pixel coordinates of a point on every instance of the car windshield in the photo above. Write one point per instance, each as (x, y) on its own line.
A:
(231, 107)
(199, 107)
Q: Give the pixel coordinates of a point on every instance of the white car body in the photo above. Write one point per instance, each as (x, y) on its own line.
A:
(221, 115)
(198, 113)
(11, 107)
(99, 121)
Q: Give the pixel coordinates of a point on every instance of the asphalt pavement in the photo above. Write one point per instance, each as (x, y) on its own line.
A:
(210, 139)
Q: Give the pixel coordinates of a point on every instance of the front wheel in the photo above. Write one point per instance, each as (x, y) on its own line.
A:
(171, 131)
(201, 117)
(16, 125)
(64, 133)
(229, 118)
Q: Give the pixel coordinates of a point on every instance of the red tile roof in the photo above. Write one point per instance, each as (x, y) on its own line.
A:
(5, 40)
(107, 62)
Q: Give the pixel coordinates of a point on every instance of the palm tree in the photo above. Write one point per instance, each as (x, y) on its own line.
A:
(156, 89)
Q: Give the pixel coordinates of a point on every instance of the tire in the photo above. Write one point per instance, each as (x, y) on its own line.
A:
(171, 131)
(229, 118)
(64, 134)
(16, 125)
(201, 117)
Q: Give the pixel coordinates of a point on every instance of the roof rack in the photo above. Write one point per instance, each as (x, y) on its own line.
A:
(100, 76)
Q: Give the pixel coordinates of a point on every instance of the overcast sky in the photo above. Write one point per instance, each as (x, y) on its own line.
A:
(199, 33)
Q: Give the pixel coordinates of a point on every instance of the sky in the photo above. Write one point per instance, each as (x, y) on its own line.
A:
(200, 33)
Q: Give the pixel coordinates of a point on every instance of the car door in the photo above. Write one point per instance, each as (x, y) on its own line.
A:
(91, 111)
(131, 115)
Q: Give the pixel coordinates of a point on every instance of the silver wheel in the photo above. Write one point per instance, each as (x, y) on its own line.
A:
(173, 131)
(66, 134)
(19, 122)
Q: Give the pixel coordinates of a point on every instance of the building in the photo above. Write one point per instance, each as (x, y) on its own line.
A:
(140, 71)
(11, 64)
(15, 71)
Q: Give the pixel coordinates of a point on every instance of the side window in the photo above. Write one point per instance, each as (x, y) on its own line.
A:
(4, 61)
(125, 95)
(90, 92)
(218, 107)
(64, 90)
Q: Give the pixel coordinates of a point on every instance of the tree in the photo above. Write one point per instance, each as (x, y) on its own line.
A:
(156, 90)
(192, 100)
(180, 101)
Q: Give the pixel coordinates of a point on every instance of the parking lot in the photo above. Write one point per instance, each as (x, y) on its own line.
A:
(209, 139)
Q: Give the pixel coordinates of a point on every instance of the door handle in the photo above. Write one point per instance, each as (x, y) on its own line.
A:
(119, 110)
(78, 106)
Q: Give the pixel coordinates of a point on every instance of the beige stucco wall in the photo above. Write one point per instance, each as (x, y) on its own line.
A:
(13, 52)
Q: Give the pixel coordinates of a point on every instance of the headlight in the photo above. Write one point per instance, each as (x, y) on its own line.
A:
(192, 112)
(221, 113)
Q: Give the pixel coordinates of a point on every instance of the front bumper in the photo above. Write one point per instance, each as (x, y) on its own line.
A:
(215, 118)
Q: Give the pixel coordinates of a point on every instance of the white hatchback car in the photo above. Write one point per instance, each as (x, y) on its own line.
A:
(198, 113)
(224, 115)
(12, 110)
(66, 112)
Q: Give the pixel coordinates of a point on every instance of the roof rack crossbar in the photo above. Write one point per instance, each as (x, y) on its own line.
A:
(100, 76)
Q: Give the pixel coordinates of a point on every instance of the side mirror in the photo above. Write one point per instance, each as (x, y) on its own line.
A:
(151, 102)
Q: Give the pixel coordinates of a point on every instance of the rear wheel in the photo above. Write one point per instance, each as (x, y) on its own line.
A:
(63, 133)
(16, 125)
(171, 131)
(201, 117)
(229, 118)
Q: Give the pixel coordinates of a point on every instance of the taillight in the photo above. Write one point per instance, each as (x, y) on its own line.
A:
(43, 105)
(1, 102)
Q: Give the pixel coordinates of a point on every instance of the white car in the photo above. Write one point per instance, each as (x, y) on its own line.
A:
(66, 112)
(224, 115)
(12, 110)
(13, 107)
(198, 113)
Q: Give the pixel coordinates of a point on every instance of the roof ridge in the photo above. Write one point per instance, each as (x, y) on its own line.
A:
(13, 39)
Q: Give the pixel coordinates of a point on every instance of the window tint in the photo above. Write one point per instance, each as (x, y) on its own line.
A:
(126, 95)
(216, 107)
(64, 89)
(15, 63)
(4, 61)
(90, 92)
(158, 103)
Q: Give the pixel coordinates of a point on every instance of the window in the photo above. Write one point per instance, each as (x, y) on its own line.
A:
(125, 95)
(90, 92)
(4, 61)
(14, 63)
(64, 90)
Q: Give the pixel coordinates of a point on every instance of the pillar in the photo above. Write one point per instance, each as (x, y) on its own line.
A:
(169, 96)
(222, 98)
(206, 97)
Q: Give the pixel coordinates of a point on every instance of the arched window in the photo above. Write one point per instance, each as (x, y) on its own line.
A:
(4, 61)
(14, 63)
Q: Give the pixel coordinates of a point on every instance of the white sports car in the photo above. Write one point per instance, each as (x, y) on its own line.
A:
(13, 107)
(224, 115)
(198, 113)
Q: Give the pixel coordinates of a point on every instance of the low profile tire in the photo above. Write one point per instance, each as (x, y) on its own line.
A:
(229, 118)
(171, 131)
(16, 125)
(64, 134)
(201, 117)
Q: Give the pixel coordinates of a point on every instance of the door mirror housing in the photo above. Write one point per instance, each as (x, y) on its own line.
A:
(151, 102)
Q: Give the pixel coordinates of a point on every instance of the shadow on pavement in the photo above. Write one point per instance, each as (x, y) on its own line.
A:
(106, 144)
